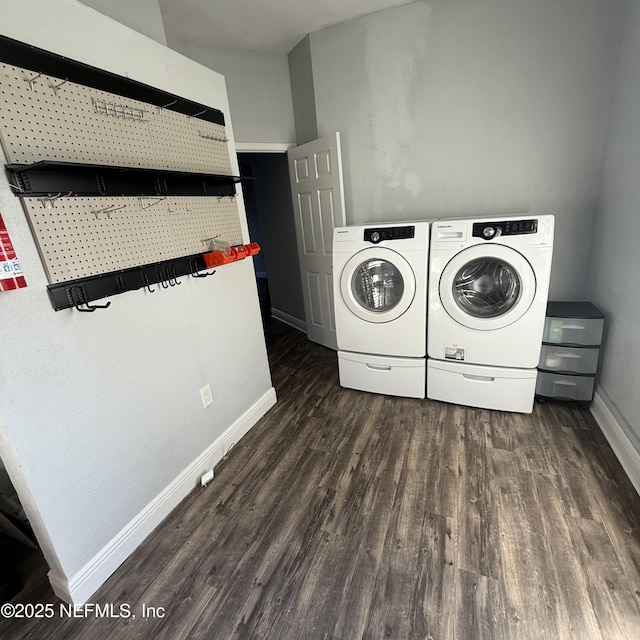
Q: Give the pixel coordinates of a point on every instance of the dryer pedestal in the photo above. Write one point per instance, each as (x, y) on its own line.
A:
(500, 388)
(382, 374)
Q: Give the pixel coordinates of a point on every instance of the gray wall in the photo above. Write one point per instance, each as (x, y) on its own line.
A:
(142, 15)
(275, 213)
(454, 108)
(258, 86)
(614, 264)
(302, 93)
(101, 412)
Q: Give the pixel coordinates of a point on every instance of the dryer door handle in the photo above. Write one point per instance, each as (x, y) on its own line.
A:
(468, 376)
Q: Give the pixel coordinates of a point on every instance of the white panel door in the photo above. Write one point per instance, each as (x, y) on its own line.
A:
(315, 169)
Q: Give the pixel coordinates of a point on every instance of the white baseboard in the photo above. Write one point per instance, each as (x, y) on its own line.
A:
(81, 586)
(292, 321)
(61, 587)
(614, 432)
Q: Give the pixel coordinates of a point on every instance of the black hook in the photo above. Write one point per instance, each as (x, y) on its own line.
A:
(171, 279)
(193, 269)
(203, 275)
(145, 279)
(98, 306)
(91, 308)
(162, 280)
(175, 276)
(78, 298)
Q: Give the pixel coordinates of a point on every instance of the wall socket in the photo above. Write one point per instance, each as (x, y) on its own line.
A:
(206, 395)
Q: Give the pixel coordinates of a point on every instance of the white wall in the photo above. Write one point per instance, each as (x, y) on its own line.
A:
(614, 263)
(142, 15)
(461, 107)
(101, 412)
(259, 90)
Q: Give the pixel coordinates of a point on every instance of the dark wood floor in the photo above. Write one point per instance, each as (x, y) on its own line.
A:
(344, 515)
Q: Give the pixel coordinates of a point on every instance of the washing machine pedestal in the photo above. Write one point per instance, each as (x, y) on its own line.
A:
(388, 375)
(500, 388)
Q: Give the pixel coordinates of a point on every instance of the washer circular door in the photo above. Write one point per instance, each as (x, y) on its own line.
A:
(487, 286)
(377, 285)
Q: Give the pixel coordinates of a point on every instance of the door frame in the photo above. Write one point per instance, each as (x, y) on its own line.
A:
(315, 170)
(281, 149)
(264, 147)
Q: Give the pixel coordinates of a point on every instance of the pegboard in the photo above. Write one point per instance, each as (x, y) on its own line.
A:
(47, 118)
(40, 122)
(80, 239)
(190, 144)
(195, 222)
(83, 237)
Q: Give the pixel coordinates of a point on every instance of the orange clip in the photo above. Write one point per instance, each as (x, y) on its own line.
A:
(253, 248)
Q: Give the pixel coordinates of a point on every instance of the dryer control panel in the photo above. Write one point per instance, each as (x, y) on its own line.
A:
(490, 230)
(376, 235)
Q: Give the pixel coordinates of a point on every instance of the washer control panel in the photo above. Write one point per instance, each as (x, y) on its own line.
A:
(379, 234)
(491, 230)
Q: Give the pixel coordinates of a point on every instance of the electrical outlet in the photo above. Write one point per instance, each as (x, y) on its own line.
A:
(206, 395)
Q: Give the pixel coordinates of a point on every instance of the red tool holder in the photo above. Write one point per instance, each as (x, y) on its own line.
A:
(232, 254)
(253, 248)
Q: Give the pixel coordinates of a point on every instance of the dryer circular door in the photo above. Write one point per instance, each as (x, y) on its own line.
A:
(487, 286)
(377, 284)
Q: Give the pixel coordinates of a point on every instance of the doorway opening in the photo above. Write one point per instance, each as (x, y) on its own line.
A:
(267, 197)
(22, 564)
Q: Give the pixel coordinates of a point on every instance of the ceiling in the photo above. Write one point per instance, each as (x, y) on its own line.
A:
(274, 26)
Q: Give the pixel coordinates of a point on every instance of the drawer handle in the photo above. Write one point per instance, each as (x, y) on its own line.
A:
(566, 383)
(468, 376)
(449, 235)
(378, 367)
(574, 326)
(573, 356)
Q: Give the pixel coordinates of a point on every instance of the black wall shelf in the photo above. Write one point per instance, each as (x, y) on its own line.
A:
(79, 293)
(27, 56)
(49, 177)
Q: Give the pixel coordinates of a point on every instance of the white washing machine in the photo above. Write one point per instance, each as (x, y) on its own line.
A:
(380, 297)
(488, 288)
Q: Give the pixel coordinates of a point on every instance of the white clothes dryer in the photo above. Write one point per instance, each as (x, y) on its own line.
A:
(380, 298)
(488, 289)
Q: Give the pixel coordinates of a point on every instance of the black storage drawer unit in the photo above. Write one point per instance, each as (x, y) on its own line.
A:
(570, 350)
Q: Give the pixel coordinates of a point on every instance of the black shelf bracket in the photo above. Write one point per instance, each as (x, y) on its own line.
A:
(79, 293)
(43, 178)
(40, 61)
